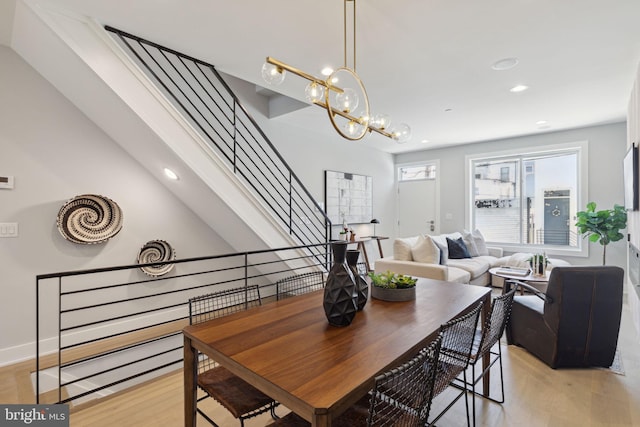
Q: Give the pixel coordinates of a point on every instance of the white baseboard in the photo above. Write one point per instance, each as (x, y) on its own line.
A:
(23, 352)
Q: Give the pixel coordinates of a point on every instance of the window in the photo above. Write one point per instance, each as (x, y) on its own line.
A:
(527, 199)
(505, 174)
(416, 172)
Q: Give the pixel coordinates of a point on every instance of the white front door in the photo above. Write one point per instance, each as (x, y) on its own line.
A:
(418, 211)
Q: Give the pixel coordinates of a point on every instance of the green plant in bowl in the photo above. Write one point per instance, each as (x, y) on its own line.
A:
(391, 280)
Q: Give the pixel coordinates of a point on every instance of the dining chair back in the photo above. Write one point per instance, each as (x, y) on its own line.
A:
(485, 340)
(299, 284)
(401, 396)
(457, 343)
(240, 398)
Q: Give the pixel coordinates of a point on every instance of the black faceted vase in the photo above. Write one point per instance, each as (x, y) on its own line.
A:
(362, 287)
(340, 295)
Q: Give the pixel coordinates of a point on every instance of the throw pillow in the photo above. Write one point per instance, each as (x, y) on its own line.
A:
(457, 249)
(441, 243)
(470, 243)
(426, 251)
(402, 248)
(478, 239)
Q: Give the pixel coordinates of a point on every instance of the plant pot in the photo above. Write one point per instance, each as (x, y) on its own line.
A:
(388, 294)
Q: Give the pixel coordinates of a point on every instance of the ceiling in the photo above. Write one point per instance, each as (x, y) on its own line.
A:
(424, 62)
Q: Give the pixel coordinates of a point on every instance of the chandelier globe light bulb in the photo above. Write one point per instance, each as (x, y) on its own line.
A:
(381, 121)
(347, 101)
(352, 128)
(314, 92)
(401, 133)
(273, 74)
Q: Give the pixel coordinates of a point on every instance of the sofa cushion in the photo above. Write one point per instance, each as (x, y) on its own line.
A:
(457, 249)
(476, 267)
(480, 243)
(402, 248)
(457, 275)
(491, 260)
(441, 241)
(520, 259)
(425, 251)
(470, 243)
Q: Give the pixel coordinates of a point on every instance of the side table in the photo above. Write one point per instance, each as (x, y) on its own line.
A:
(538, 282)
(363, 248)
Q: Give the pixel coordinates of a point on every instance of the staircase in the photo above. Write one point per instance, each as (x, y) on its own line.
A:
(165, 107)
(230, 176)
(205, 101)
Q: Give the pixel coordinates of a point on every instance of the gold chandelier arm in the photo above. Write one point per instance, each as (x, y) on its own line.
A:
(302, 74)
(382, 132)
(355, 119)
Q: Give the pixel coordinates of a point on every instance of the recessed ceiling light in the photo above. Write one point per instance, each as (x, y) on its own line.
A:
(170, 174)
(543, 124)
(425, 141)
(519, 88)
(505, 64)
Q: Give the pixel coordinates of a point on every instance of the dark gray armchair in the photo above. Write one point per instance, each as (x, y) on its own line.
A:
(576, 323)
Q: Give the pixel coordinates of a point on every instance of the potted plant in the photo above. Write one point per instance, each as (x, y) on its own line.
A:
(390, 286)
(602, 226)
(538, 264)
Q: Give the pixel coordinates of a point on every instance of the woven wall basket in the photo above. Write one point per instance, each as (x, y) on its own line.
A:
(156, 251)
(89, 219)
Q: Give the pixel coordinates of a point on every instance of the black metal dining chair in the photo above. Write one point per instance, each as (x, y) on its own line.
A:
(457, 342)
(299, 284)
(240, 398)
(400, 397)
(484, 341)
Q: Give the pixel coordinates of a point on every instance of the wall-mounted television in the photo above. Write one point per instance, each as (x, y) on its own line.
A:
(630, 170)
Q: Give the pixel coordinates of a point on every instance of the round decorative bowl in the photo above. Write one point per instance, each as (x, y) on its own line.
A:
(388, 294)
(156, 251)
(89, 219)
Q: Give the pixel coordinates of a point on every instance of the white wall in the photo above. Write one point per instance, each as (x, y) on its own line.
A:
(606, 145)
(55, 153)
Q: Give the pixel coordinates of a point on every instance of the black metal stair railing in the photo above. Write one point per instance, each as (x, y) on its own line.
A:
(205, 100)
(104, 330)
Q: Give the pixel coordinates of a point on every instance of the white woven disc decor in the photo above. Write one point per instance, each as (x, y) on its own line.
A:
(156, 251)
(89, 219)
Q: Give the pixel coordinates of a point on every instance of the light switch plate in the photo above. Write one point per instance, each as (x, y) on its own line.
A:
(6, 182)
(8, 229)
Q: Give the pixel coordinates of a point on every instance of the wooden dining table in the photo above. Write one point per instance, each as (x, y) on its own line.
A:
(288, 350)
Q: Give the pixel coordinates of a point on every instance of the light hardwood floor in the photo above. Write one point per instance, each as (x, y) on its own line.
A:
(535, 396)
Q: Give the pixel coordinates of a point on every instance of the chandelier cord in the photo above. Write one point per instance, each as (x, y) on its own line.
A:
(354, 33)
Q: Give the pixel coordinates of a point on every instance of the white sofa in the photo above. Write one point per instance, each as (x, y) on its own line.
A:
(418, 256)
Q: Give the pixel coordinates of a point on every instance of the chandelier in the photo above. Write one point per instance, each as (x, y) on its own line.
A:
(342, 94)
